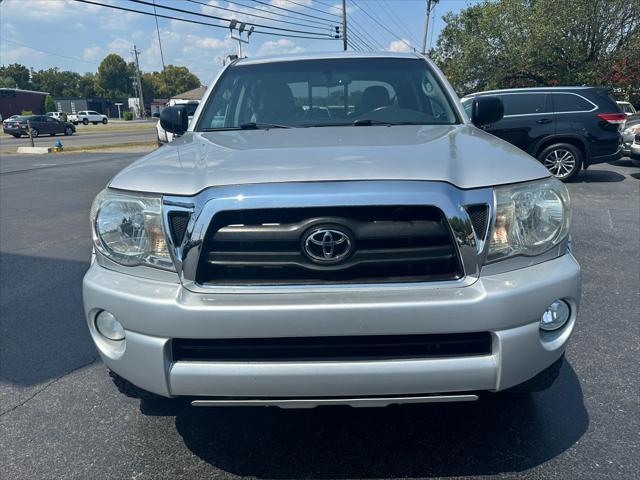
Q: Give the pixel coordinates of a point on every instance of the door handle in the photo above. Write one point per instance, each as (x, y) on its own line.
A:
(542, 121)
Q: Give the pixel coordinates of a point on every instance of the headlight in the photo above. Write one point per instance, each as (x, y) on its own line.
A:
(530, 218)
(127, 228)
(632, 130)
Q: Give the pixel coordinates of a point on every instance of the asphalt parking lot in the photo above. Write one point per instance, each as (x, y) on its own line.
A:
(61, 416)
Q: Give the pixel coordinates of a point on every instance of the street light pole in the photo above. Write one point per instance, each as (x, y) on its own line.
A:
(430, 4)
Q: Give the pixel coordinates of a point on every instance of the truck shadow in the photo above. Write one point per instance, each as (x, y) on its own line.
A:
(499, 433)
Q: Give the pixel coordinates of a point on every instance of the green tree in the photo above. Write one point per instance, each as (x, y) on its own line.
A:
(172, 81)
(113, 76)
(7, 82)
(49, 104)
(58, 84)
(513, 43)
(18, 73)
(87, 86)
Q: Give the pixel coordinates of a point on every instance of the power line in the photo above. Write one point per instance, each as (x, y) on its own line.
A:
(49, 53)
(262, 10)
(383, 25)
(319, 26)
(291, 11)
(360, 36)
(313, 8)
(397, 20)
(215, 17)
(198, 22)
(359, 28)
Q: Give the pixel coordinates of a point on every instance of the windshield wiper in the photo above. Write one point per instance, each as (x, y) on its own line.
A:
(257, 126)
(247, 126)
(366, 122)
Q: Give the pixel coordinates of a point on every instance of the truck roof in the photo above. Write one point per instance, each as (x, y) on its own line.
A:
(324, 55)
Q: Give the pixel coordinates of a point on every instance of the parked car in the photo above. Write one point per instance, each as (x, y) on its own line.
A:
(40, 125)
(11, 118)
(87, 116)
(56, 115)
(190, 108)
(631, 128)
(565, 128)
(634, 150)
(627, 108)
(390, 253)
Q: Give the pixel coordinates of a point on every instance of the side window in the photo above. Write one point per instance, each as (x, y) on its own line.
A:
(467, 103)
(525, 103)
(51, 120)
(567, 102)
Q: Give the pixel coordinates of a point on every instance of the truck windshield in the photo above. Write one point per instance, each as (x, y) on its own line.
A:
(328, 92)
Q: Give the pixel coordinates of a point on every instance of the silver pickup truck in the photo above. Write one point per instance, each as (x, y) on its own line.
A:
(332, 229)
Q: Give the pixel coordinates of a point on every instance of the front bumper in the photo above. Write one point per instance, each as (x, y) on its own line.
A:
(508, 305)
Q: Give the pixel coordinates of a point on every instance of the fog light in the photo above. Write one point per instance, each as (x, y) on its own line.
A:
(555, 316)
(109, 327)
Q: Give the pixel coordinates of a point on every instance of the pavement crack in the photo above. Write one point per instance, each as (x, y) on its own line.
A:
(47, 385)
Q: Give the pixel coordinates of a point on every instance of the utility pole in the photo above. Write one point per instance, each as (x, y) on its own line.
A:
(430, 5)
(139, 81)
(344, 25)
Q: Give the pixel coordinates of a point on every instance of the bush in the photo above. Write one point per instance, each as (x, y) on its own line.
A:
(26, 112)
(128, 115)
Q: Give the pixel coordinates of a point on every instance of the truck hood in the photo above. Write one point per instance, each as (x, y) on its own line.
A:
(462, 155)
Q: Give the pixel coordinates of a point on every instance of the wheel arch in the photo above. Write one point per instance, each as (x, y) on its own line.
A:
(574, 140)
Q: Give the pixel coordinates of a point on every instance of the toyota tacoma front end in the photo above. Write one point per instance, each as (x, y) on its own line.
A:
(332, 230)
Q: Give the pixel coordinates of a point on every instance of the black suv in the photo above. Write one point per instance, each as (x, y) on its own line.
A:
(566, 128)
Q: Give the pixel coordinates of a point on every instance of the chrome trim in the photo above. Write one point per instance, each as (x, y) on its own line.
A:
(315, 402)
(206, 204)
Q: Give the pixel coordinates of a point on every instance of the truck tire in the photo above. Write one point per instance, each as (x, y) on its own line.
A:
(104, 121)
(85, 121)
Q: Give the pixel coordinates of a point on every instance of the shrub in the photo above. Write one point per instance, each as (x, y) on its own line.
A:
(26, 112)
(128, 115)
(49, 104)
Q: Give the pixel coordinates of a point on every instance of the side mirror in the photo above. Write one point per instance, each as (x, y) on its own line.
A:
(486, 110)
(174, 119)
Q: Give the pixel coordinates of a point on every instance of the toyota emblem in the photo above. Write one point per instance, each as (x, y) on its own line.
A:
(327, 245)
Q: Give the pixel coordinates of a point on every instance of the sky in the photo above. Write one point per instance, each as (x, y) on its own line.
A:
(75, 36)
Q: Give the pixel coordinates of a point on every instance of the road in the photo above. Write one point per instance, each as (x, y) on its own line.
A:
(84, 137)
(62, 418)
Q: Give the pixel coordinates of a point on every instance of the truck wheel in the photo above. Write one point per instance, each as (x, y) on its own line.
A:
(85, 121)
(541, 381)
(563, 160)
(104, 121)
(130, 390)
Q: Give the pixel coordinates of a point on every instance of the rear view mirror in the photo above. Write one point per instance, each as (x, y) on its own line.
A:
(174, 119)
(486, 110)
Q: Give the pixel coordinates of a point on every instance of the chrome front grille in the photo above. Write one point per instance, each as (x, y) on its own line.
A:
(388, 243)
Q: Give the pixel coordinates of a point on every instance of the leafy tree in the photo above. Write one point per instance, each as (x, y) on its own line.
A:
(7, 82)
(18, 73)
(113, 76)
(512, 43)
(49, 104)
(87, 86)
(57, 83)
(172, 81)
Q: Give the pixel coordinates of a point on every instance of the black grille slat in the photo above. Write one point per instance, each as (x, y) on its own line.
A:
(353, 348)
(391, 244)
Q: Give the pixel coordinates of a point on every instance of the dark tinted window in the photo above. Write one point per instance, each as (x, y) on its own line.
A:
(567, 102)
(326, 92)
(7, 94)
(525, 103)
